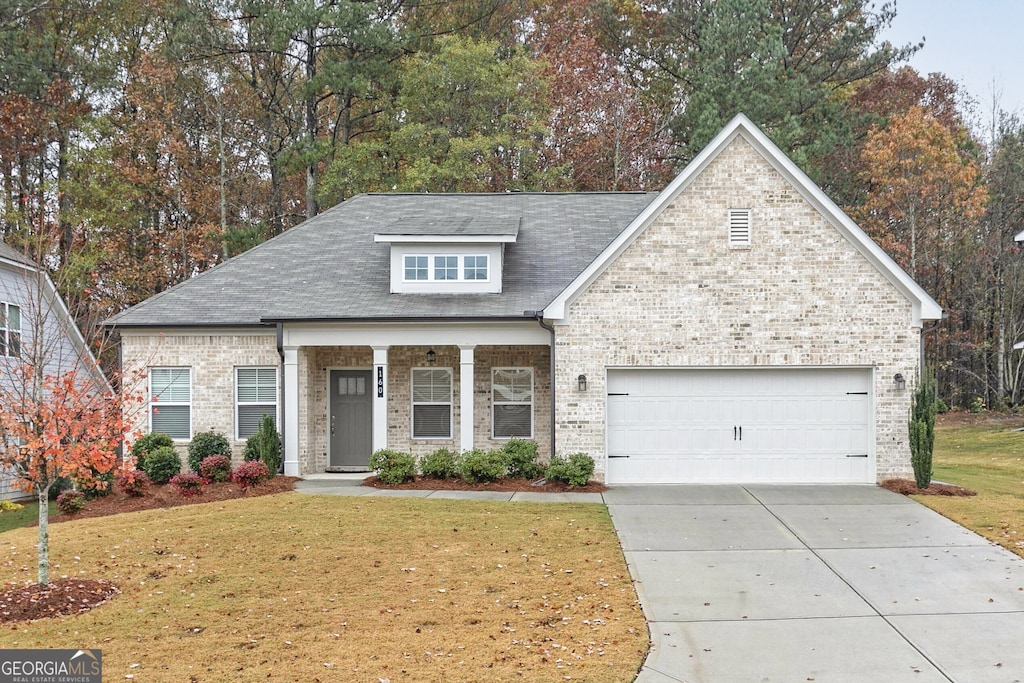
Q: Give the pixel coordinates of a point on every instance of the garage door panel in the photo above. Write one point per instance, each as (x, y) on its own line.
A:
(683, 425)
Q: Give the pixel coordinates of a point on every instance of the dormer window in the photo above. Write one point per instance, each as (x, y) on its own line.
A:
(459, 256)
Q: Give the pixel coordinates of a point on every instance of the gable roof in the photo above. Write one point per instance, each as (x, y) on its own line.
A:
(331, 268)
(925, 308)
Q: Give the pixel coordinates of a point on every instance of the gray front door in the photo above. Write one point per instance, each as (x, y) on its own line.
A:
(349, 422)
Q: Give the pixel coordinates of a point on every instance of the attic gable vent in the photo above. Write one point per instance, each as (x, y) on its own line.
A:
(739, 228)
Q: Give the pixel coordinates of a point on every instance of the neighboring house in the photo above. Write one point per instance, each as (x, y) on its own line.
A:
(736, 327)
(35, 329)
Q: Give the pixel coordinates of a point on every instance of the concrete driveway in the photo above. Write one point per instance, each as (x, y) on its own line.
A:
(816, 583)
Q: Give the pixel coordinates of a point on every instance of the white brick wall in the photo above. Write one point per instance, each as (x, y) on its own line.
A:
(801, 295)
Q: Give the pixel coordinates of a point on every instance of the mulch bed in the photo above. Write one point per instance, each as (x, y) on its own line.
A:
(31, 601)
(504, 484)
(908, 487)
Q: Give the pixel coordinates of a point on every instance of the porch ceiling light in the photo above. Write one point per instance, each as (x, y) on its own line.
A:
(582, 379)
(431, 357)
(900, 382)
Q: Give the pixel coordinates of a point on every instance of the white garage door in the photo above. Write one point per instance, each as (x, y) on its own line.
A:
(718, 426)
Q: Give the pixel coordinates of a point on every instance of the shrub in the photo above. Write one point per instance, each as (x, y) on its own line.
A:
(440, 464)
(162, 464)
(215, 468)
(205, 444)
(575, 470)
(265, 446)
(922, 429)
(133, 482)
(70, 502)
(147, 444)
(187, 483)
(521, 457)
(100, 485)
(479, 465)
(250, 474)
(10, 506)
(393, 467)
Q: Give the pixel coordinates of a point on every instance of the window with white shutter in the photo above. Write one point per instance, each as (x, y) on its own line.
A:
(170, 402)
(739, 228)
(255, 396)
(432, 403)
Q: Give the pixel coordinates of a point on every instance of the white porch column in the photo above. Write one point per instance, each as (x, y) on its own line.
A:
(466, 397)
(380, 398)
(291, 412)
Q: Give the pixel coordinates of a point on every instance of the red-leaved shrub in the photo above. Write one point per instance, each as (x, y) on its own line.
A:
(250, 473)
(187, 483)
(215, 468)
(70, 502)
(133, 482)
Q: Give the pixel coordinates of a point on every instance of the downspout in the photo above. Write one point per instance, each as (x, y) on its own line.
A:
(280, 425)
(539, 315)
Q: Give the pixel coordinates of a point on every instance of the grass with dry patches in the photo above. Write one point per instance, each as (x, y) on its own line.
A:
(988, 459)
(295, 587)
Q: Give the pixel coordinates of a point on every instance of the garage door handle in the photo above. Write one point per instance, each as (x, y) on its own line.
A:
(858, 455)
(856, 393)
(614, 394)
(617, 456)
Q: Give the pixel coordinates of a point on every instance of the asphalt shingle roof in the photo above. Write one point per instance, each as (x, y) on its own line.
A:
(329, 267)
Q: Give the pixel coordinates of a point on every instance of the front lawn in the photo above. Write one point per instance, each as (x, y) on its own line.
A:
(29, 514)
(305, 588)
(984, 454)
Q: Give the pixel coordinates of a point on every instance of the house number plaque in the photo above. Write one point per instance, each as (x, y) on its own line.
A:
(380, 382)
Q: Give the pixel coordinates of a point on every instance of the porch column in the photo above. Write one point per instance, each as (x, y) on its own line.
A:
(291, 411)
(466, 397)
(380, 398)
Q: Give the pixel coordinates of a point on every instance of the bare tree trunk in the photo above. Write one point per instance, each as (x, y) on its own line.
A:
(43, 546)
(311, 124)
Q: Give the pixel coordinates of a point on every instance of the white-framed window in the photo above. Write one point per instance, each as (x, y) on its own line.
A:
(170, 402)
(512, 403)
(416, 268)
(446, 268)
(739, 228)
(431, 403)
(10, 335)
(474, 267)
(255, 396)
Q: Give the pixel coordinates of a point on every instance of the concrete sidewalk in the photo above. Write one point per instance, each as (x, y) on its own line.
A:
(816, 583)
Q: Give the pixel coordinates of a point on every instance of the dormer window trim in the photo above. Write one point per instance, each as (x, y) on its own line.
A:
(438, 268)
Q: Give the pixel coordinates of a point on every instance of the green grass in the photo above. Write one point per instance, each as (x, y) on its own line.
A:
(988, 459)
(303, 587)
(15, 519)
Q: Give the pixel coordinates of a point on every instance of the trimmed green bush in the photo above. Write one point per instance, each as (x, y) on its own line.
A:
(265, 446)
(440, 464)
(162, 464)
(479, 465)
(922, 429)
(148, 443)
(205, 444)
(393, 467)
(574, 470)
(521, 457)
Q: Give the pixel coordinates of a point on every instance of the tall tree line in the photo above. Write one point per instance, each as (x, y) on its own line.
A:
(144, 141)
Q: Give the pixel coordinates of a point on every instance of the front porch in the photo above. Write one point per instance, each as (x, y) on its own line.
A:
(352, 389)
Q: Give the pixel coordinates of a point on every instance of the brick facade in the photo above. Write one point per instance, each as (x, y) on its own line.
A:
(679, 297)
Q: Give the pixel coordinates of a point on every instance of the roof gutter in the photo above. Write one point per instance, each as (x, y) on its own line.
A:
(539, 317)
(404, 319)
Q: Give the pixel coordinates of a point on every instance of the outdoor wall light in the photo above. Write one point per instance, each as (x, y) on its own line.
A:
(582, 379)
(901, 383)
(431, 357)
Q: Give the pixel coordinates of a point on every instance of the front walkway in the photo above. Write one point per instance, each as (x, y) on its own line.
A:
(801, 583)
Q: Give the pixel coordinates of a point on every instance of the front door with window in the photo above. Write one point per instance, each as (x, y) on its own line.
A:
(349, 420)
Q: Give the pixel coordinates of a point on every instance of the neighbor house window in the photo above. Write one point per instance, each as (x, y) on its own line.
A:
(416, 268)
(255, 396)
(512, 402)
(739, 227)
(170, 402)
(431, 403)
(10, 335)
(475, 268)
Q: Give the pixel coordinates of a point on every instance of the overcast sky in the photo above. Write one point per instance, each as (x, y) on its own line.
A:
(974, 42)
